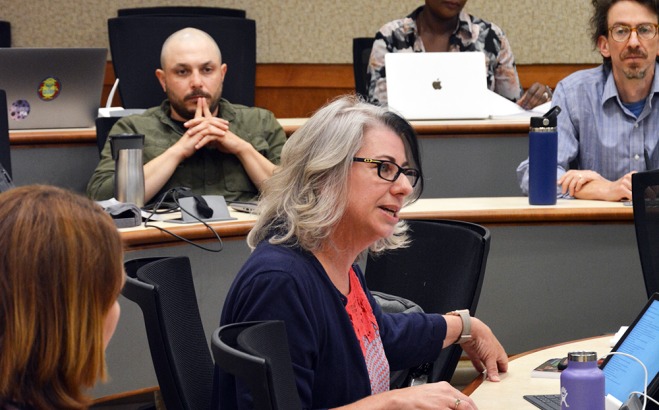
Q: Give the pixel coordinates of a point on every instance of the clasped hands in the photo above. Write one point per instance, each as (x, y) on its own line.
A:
(575, 181)
(207, 130)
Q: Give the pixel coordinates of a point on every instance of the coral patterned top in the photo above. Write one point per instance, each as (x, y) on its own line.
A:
(368, 333)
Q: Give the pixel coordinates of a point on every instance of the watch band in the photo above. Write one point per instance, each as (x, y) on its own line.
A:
(466, 324)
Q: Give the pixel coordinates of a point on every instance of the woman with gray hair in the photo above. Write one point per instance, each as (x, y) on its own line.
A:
(344, 177)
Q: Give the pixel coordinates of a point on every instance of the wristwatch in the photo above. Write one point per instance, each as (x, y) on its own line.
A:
(465, 336)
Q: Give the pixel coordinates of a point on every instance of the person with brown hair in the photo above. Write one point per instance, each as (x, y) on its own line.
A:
(61, 271)
(608, 128)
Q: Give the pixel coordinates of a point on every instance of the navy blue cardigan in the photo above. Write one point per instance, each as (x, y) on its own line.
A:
(290, 284)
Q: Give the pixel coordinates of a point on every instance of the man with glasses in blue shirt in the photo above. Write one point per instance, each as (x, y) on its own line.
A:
(609, 125)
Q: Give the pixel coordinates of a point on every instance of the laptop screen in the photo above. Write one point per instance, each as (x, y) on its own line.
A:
(625, 375)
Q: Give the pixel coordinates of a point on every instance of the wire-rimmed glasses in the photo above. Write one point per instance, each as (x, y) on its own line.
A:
(622, 32)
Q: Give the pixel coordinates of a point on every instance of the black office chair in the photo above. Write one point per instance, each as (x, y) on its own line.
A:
(182, 11)
(5, 34)
(136, 42)
(645, 196)
(257, 354)
(103, 127)
(5, 157)
(164, 290)
(361, 53)
(442, 270)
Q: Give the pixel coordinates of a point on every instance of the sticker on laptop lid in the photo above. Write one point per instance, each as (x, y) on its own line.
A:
(49, 88)
(19, 110)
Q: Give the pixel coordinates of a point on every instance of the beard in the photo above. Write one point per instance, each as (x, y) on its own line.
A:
(179, 105)
(635, 71)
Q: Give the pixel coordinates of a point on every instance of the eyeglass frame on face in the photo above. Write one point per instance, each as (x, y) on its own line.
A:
(630, 29)
(383, 162)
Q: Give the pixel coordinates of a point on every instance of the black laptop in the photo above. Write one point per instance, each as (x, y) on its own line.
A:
(624, 375)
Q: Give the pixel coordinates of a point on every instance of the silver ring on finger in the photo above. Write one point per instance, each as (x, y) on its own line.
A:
(457, 403)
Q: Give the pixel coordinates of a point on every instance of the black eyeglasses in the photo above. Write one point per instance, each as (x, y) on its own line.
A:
(622, 32)
(390, 171)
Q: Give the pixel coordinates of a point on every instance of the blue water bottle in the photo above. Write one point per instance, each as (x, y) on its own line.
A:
(582, 383)
(543, 146)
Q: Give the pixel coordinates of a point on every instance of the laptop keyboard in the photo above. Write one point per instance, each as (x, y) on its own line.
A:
(545, 401)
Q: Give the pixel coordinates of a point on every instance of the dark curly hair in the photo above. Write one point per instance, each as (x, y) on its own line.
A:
(599, 24)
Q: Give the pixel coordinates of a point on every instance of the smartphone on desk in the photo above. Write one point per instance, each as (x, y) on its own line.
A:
(247, 207)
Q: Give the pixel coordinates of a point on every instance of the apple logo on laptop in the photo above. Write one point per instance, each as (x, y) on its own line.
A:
(437, 85)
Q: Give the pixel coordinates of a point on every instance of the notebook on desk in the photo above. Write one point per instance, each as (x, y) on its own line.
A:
(52, 87)
(622, 374)
(437, 86)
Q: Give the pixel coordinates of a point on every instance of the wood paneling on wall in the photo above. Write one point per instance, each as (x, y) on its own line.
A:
(297, 90)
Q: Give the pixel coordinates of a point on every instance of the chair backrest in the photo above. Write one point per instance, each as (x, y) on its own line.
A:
(361, 53)
(136, 42)
(257, 354)
(645, 195)
(164, 290)
(103, 127)
(441, 270)
(5, 34)
(5, 157)
(182, 11)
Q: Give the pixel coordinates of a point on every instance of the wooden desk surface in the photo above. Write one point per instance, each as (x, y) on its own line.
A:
(507, 394)
(517, 211)
(493, 127)
(139, 236)
(52, 136)
(503, 210)
(507, 126)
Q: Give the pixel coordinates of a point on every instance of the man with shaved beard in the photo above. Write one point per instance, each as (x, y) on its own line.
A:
(609, 125)
(195, 138)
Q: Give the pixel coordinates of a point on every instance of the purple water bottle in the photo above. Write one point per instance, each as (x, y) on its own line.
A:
(582, 383)
(543, 147)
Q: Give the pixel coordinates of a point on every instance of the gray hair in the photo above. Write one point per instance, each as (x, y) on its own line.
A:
(307, 196)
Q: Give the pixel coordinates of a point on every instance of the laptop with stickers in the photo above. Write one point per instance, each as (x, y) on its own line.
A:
(437, 86)
(52, 87)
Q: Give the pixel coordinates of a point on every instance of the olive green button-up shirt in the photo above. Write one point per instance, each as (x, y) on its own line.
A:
(208, 171)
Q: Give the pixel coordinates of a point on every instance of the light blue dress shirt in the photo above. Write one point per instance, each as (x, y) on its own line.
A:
(597, 132)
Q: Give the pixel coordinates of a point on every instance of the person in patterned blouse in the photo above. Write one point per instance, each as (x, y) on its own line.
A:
(443, 25)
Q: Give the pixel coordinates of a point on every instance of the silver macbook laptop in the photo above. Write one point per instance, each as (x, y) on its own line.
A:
(437, 86)
(52, 87)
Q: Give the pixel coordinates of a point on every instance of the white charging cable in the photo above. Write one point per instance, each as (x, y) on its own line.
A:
(108, 103)
(644, 393)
